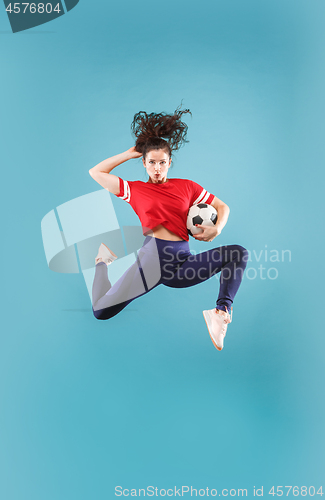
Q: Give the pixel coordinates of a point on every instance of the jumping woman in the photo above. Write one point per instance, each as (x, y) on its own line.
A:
(162, 205)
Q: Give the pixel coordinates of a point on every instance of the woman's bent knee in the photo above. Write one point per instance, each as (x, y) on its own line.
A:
(244, 256)
(100, 314)
(240, 253)
(108, 312)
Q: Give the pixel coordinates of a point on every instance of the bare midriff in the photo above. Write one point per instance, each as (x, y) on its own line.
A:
(164, 234)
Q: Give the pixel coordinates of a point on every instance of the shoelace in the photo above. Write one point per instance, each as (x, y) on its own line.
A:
(226, 321)
(228, 318)
(100, 259)
(224, 328)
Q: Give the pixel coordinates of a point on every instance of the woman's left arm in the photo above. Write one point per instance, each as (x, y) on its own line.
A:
(223, 213)
(210, 232)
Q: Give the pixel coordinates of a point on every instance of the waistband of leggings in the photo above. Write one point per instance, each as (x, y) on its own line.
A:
(176, 245)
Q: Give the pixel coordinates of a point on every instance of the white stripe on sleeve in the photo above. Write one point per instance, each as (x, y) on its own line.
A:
(126, 191)
(205, 198)
(128, 194)
(204, 195)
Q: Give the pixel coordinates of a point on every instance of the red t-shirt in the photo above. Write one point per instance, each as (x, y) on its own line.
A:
(167, 203)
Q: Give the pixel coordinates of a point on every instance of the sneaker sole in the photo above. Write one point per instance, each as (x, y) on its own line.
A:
(208, 323)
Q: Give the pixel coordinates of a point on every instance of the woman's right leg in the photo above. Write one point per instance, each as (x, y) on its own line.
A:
(138, 279)
(101, 283)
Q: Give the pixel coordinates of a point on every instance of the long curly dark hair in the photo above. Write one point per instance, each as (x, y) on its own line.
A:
(159, 131)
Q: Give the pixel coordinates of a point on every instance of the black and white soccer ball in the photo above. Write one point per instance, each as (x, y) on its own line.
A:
(200, 214)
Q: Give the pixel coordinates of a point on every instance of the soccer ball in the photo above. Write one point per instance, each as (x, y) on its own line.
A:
(200, 214)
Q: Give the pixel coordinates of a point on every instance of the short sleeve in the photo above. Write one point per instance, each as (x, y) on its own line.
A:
(200, 195)
(125, 190)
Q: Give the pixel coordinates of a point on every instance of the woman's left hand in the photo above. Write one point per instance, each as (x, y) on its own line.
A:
(208, 234)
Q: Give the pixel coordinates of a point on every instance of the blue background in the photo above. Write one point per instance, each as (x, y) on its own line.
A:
(145, 399)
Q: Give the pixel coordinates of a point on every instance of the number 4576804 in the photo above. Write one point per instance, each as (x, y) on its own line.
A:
(296, 491)
(33, 8)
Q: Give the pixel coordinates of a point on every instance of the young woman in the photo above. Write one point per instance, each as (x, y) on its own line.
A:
(162, 205)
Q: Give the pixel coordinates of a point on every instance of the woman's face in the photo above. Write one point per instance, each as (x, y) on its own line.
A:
(157, 163)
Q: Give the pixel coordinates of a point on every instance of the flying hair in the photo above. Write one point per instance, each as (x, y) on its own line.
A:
(159, 131)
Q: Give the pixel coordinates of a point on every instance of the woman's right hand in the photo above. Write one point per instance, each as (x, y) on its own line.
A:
(133, 153)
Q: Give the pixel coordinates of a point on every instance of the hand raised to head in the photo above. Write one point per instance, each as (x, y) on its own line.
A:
(133, 153)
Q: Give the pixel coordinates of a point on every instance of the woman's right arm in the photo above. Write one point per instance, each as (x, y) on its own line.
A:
(101, 172)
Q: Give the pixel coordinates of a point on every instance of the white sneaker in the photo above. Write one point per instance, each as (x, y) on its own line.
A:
(217, 325)
(105, 255)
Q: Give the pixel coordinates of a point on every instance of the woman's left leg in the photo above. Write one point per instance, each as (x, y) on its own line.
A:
(230, 260)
